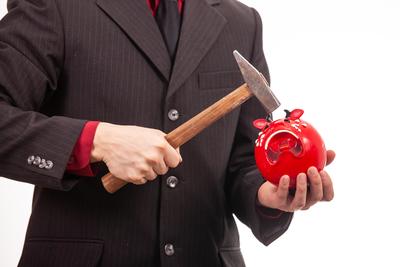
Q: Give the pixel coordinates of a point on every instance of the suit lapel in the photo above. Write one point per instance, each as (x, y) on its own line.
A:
(201, 26)
(135, 18)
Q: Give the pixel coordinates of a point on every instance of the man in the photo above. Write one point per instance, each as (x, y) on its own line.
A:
(92, 86)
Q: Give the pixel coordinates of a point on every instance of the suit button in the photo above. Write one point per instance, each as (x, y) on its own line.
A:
(37, 161)
(42, 164)
(169, 249)
(30, 159)
(49, 165)
(173, 114)
(172, 181)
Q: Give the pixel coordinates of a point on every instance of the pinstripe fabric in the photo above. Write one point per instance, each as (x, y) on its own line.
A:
(63, 62)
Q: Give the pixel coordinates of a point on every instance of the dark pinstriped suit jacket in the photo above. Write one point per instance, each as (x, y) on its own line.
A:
(63, 62)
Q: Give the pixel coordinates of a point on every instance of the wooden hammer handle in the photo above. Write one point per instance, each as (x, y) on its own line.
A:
(192, 127)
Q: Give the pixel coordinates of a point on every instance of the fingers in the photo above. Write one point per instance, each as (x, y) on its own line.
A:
(300, 197)
(330, 156)
(138, 181)
(150, 175)
(135, 154)
(144, 177)
(327, 186)
(283, 189)
(160, 167)
(274, 196)
(321, 189)
(316, 192)
(172, 157)
(179, 152)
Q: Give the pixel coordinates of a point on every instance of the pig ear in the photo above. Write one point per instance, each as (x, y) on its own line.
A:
(260, 123)
(296, 114)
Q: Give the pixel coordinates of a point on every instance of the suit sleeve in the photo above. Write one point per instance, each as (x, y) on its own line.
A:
(244, 178)
(34, 148)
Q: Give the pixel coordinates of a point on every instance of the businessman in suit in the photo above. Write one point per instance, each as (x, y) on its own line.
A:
(90, 86)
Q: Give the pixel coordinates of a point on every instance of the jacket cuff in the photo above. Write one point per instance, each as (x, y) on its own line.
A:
(268, 213)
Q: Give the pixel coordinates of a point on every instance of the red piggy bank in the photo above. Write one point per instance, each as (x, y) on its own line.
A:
(288, 147)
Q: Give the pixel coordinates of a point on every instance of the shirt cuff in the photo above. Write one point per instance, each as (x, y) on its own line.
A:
(79, 162)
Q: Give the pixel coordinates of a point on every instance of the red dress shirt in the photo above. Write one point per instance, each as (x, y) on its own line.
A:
(79, 162)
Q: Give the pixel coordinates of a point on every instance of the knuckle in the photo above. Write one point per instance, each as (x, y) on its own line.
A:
(151, 159)
(324, 174)
(153, 156)
(163, 171)
(298, 204)
(329, 197)
(133, 171)
(301, 190)
(134, 179)
(317, 197)
(146, 171)
(174, 162)
(316, 182)
(282, 197)
(140, 181)
(131, 177)
(152, 177)
(161, 144)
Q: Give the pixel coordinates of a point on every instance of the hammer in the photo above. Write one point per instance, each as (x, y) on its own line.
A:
(255, 84)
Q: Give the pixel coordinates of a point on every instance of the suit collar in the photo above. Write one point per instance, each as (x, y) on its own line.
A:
(201, 25)
(135, 19)
(200, 28)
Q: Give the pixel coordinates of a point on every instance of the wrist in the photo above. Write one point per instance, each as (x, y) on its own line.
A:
(98, 149)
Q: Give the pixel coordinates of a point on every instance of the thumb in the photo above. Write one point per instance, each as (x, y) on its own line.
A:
(179, 152)
(330, 156)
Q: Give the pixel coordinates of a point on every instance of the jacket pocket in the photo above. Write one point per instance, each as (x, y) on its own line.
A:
(43, 252)
(220, 80)
(231, 257)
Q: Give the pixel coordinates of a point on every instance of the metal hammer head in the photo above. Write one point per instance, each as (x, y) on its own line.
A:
(257, 83)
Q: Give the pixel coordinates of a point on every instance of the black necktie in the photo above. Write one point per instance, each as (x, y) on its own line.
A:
(169, 21)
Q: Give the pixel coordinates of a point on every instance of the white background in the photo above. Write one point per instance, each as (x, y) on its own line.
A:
(339, 61)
